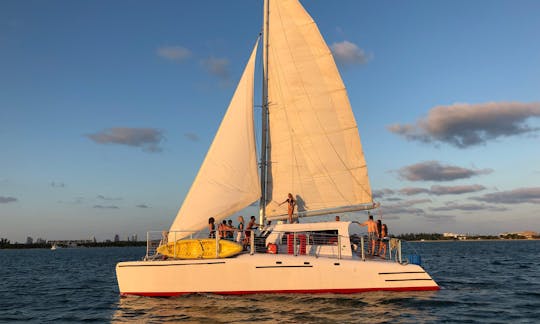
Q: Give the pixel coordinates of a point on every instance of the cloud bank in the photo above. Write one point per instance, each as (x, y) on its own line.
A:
(217, 66)
(347, 53)
(106, 207)
(192, 137)
(107, 198)
(435, 171)
(6, 200)
(463, 125)
(174, 53)
(442, 190)
(146, 138)
(382, 192)
(55, 184)
(516, 196)
(467, 207)
(404, 207)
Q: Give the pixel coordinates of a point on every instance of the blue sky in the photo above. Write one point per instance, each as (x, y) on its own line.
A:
(108, 107)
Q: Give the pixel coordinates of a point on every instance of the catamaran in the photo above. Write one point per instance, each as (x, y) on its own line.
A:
(310, 147)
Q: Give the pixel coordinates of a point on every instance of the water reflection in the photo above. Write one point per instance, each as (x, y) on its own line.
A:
(378, 307)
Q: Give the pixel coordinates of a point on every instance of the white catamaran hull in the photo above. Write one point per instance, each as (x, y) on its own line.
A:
(268, 273)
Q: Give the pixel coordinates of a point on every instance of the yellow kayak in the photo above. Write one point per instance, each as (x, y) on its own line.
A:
(199, 249)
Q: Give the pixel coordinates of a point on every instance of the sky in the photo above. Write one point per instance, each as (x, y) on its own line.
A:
(107, 109)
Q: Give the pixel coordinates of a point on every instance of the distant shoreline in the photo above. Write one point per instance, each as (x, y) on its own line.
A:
(23, 246)
(477, 240)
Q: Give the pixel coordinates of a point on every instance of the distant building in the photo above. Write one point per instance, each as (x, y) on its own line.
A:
(528, 234)
(29, 240)
(94, 239)
(525, 234)
(116, 238)
(455, 236)
(134, 238)
(40, 241)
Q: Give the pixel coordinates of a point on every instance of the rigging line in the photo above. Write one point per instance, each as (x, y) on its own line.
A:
(279, 92)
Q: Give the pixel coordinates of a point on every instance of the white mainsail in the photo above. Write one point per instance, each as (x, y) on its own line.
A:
(228, 179)
(314, 148)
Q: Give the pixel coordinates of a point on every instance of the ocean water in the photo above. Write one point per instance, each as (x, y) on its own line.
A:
(491, 281)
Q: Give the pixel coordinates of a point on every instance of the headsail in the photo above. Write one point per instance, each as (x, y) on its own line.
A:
(228, 179)
(314, 147)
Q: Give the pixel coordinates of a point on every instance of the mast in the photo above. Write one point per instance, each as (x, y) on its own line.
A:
(264, 128)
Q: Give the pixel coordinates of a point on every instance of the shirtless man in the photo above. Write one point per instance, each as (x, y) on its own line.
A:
(373, 233)
(250, 226)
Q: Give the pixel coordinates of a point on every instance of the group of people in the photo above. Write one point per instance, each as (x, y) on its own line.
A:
(377, 234)
(226, 230)
(377, 231)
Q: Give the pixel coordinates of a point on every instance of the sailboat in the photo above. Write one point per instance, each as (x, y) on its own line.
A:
(310, 147)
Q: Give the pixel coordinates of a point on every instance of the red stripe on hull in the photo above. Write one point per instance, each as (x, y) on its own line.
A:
(307, 291)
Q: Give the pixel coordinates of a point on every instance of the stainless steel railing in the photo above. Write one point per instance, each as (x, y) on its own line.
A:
(295, 243)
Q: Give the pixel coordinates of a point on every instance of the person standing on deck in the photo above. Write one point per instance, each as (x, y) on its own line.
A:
(240, 228)
(384, 238)
(230, 233)
(372, 233)
(211, 227)
(290, 206)
(379, 230)
(250, 227)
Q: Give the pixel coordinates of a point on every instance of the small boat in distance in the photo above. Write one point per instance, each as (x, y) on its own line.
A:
(54, 246)
(310, 147)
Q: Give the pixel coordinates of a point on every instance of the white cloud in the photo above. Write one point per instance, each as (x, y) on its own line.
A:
(192, 137)
(174, 53)
(464, 125)
(217, 66)
(455, 190)
(435, 171)
(348, 53)
(516, 196)
(146, 138)
(6, 200)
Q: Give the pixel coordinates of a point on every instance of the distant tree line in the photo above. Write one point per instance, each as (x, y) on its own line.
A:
(6, 244)
(438, 236)
(109, 244)
(422, 236)
(513, 236)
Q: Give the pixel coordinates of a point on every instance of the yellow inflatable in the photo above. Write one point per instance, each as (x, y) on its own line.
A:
(199, 249)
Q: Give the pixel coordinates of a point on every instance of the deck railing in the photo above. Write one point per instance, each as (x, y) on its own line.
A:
(295, 243)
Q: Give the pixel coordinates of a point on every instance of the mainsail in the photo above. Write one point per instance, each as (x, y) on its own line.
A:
(314, 148)
(228, 179)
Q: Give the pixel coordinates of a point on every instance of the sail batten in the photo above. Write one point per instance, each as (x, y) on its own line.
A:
(228, 179)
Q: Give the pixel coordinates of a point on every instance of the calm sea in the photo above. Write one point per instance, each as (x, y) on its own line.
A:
(497, 282)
